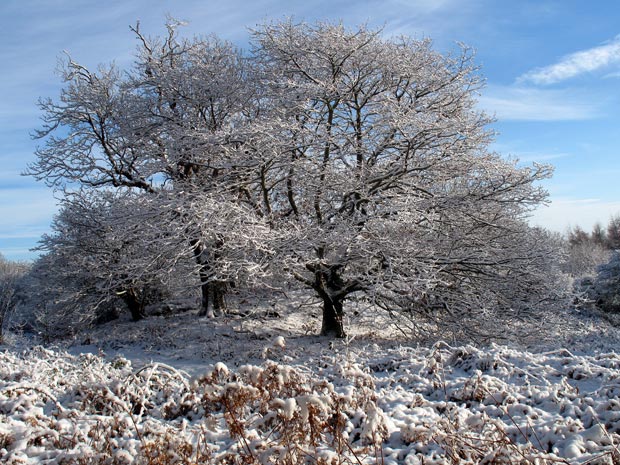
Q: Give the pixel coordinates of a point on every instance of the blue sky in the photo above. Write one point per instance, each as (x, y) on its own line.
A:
(552, 70)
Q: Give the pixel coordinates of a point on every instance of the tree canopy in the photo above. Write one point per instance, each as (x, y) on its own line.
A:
(347, 162)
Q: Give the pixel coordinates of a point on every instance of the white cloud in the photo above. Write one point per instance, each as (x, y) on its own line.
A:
(528, 104)
(19, 253)
(27, 212)
(577, 63)
(423, 6)
(538, 157)
(563, 213)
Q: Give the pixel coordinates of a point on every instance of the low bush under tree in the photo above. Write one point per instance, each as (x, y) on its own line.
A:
(604, 288)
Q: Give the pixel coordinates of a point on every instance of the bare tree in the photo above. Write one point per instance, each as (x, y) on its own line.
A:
(586, 251)
(613, 232)
(599, 236)
(110, 247)
(577, 235)
(156, 128)
(355, 164)
(373, 159)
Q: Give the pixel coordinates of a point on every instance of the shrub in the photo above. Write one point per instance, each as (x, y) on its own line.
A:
(605, 288)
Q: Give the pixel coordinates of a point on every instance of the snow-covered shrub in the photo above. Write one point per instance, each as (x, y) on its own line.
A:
(93, 411)
(277, 414)
(102, 261)
(443, 405)
(585, 257)
(58, 300)
(604, 289)
(585, 252)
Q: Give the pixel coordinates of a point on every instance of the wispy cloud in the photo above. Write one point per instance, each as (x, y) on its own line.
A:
(30, 211)
(563, 213)
(538, 157)
(19, 253)
(509, 103)
(583, 61)
(27, 214)
(423, 6)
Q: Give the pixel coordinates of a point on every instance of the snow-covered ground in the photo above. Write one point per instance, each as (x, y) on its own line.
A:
(233, 390)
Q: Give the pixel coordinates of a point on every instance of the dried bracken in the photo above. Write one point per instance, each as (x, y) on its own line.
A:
(441, 405)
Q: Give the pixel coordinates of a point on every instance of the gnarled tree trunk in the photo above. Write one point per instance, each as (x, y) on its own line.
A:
(205, 290)
(332, 290)
(134, 303)
(333, 313)
(213, 293)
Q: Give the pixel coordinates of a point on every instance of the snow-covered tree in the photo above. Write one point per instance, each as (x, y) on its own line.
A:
(598, 236)
(604, 289)
(354, 163)
(613, 232)
(586, 252)
(157, 128)
(373, 158)
(138, 249)
(585, 257)
(110, 247)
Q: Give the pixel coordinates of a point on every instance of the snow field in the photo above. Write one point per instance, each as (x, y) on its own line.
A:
(439, 405)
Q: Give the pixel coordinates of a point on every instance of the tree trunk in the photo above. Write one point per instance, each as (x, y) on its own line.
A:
(211, 291)
(203, 273)
(219, 297)
(213, 297)
(134, 304)
(332, 317)
(219, 288)
(205, 289)
(329, 285)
